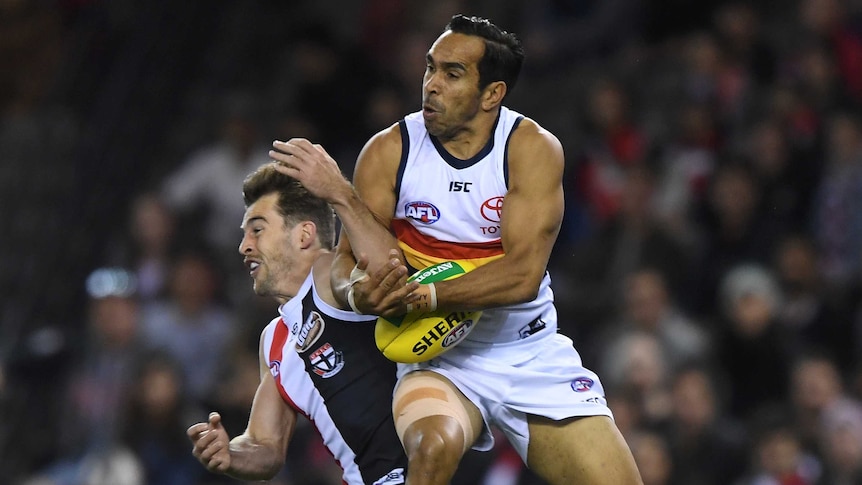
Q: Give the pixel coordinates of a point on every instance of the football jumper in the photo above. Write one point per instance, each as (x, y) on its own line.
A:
(327, 367)
(449, 209)
(513, 362)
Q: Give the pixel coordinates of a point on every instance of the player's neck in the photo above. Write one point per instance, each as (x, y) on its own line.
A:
(473, 136)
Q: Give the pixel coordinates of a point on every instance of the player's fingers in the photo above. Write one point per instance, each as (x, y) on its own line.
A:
(206, 440)
(286, 168)
(393, 272)
(195, 430)
(289, 153)
(300, 147)
(321, 150)
(218, 465)
(210, 451)
(214, 420)
(404, 294)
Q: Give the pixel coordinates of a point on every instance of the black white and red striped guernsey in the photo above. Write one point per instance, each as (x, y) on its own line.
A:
(327, 367)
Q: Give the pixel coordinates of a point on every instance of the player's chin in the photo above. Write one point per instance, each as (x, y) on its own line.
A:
(433, 125)
(261, 289)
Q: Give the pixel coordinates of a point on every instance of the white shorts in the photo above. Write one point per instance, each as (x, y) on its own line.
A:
(509, 381)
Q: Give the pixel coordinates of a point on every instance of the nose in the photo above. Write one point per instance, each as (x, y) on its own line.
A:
(430, 84)
(244, 245)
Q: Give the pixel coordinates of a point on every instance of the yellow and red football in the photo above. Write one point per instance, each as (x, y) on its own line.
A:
(420, 336)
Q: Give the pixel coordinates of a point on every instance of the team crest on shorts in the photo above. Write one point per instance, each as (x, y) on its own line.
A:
(582, 384)
(326, 361)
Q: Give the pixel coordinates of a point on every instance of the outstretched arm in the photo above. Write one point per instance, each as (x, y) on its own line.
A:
(258, 453)
(365, 211)
(367, 226)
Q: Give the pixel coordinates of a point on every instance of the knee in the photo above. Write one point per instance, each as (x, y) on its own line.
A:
(434, 446)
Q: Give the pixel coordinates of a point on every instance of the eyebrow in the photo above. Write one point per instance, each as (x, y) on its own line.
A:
(253, 219)
(446, 65)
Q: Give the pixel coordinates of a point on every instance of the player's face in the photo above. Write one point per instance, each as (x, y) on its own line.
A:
(450, 87)
(269, 249)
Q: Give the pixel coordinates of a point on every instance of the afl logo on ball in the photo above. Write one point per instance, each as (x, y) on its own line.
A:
(420, 211)
(458, 333)
(582, 384)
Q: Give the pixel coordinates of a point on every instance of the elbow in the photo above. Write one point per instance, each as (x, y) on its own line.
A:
(525, 295)
(526, 289)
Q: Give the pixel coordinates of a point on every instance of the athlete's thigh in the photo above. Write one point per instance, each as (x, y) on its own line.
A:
(582, 450)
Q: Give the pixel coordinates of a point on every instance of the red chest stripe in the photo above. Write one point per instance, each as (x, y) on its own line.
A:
(279, 337)
(407, 234)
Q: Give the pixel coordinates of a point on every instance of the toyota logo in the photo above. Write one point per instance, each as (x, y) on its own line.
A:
(492, 209)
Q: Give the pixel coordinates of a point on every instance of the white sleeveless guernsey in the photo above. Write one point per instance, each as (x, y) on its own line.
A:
(449, 209)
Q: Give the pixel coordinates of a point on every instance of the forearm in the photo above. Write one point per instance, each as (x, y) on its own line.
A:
(502, 282)
(250, 460)
(339, 275)
(368, 235)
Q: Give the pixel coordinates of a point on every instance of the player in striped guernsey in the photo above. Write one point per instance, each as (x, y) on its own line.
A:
(466, 178)
(316, 359)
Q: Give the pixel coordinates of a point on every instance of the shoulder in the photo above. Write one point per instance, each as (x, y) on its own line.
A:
(530, 133)
(384, 145)
(378, 162)
(268, 331)
(530, 141)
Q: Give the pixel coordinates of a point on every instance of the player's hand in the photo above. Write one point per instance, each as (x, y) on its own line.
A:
(384, 291)
(211, 442)
(313, 167)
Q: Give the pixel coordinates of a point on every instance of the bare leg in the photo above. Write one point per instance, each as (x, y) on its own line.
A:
(588, 451)
(436, 423)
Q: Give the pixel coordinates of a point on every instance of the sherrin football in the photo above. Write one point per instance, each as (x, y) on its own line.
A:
(420, 336)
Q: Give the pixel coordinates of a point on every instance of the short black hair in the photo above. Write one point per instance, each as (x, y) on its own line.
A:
(295, 202)
(503, 56)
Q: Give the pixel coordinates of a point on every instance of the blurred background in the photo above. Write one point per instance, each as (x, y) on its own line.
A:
(709, 267)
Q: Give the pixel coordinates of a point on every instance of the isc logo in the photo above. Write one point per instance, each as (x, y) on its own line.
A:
(424, 212)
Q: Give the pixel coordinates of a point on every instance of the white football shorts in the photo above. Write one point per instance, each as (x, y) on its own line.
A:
(508, 381)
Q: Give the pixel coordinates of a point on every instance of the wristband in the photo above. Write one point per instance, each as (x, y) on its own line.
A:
(425, 305)
(352, 302)
(357, 274)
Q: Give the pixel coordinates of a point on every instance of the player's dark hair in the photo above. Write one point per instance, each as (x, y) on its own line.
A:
(503, 55)
(295, 203)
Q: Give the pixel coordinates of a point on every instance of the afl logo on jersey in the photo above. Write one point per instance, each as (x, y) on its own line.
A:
(582, 384)
(274, 367)
(492, 209)
(420, 211)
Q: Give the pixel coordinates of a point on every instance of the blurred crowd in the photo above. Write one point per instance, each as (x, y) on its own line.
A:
(709, 266)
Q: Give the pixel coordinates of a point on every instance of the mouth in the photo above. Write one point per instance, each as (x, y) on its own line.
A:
(429, 111)
(252, 266)
(429, 107)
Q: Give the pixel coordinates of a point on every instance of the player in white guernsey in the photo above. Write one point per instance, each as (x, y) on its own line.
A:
(316, 359)
(466, 178)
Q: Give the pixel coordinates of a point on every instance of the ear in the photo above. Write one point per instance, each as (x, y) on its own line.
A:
(307, 234)
(493, 94)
